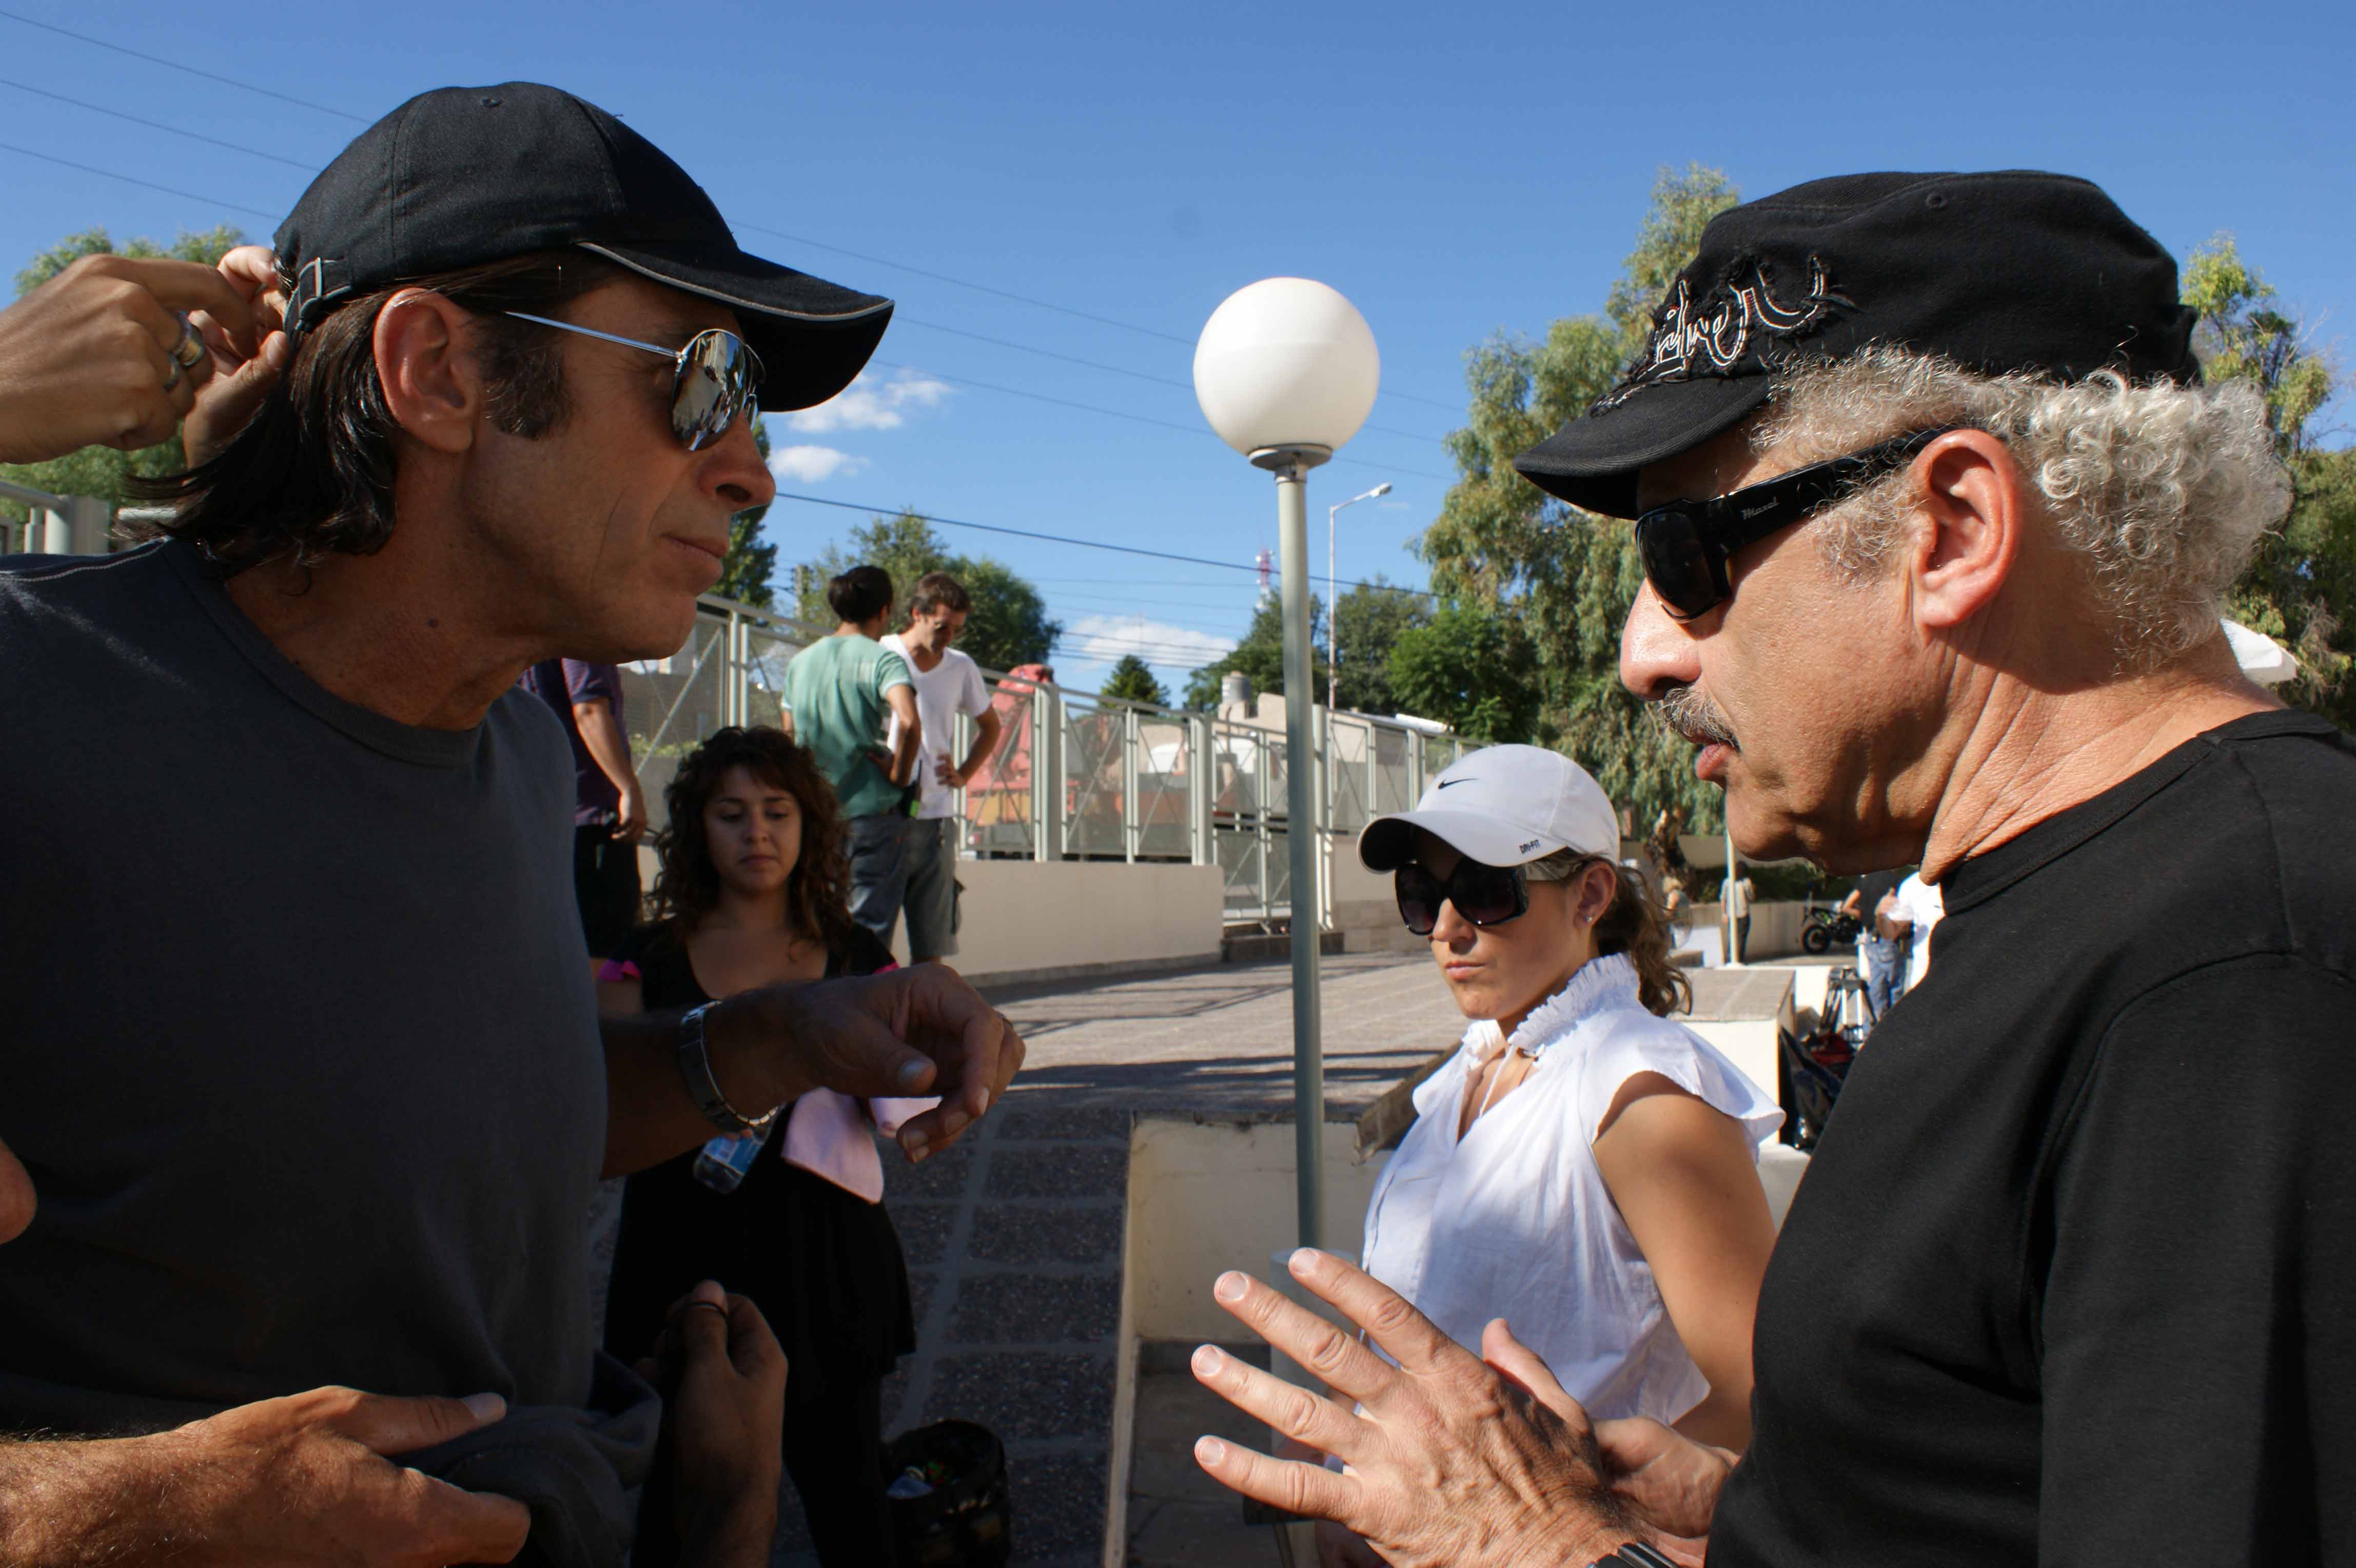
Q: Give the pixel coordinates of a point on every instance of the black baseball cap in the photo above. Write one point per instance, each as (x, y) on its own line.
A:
(2016, 271)
(462, 176)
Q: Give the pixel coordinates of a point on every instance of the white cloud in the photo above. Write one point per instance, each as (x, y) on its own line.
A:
(1102, 639)
(868, 403)
(811, 465)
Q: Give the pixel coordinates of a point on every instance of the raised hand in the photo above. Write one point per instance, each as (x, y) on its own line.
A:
(106, 353)
(227, 399)
(1448, 1461)
(724, 1377)
(910, 1032)
(1670, 1482)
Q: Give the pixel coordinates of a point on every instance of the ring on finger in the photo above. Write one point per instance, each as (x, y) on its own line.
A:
(190, 348)
(711, 1306)
(172, 376)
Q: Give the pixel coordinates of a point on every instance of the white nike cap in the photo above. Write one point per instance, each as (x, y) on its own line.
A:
(1503, 805)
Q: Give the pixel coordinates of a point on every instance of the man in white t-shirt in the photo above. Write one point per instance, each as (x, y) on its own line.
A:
(947, 682)
(1737, 894)
(1910, 912)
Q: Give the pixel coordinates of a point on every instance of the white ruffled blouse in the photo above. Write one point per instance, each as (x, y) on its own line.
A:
(1515, 1220)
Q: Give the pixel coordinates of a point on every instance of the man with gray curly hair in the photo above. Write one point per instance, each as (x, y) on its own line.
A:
(1936, 515)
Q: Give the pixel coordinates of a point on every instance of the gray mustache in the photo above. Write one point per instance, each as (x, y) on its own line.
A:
(1689, 714)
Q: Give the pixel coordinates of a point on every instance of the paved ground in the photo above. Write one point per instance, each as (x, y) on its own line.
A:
(1013, 1237)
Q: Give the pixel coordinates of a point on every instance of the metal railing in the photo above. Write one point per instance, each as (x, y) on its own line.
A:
(1077, 774)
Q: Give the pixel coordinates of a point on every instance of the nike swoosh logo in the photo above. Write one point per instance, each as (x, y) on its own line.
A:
(1450, 783)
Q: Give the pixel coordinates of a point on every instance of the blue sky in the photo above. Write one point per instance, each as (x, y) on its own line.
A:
(1454, 170)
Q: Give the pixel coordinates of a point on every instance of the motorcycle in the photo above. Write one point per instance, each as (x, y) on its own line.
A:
(1828, 928)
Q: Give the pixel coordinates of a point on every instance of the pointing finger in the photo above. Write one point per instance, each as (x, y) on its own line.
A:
(703, 1323)
(1286, 1484)
(1519, 1364)
(1317, 1347)
(192, 285)
(1294, 1411)
(1406, 1335)
(390, 1426)
(455, 1525)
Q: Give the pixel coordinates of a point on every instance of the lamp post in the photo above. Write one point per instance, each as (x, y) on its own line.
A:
(1286, 370)
(1332, 592)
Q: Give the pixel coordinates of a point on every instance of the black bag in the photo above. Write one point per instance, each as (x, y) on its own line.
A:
(967, 1520)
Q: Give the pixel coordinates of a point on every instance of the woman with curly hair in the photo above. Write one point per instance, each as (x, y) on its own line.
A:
(752, 891)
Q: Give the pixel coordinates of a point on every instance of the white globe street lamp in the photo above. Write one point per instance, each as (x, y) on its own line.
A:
(1286, 370)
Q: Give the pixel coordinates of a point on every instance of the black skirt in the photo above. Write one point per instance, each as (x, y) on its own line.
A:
(823, 1264)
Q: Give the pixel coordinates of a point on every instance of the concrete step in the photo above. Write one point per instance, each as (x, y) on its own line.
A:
(1265, 947)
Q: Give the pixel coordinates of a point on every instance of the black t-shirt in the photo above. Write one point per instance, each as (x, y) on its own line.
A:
(2073, 1276)
(299, 1044)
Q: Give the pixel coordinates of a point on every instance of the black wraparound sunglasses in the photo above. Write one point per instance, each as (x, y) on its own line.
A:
(1485, 894)
(715, 380)
(1687, 544)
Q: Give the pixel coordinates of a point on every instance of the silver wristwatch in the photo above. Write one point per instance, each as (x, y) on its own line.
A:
(695, 1070)
(1635, 1554)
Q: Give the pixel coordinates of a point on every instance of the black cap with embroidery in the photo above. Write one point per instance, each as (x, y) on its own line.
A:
(2011, 272)
(463, 175)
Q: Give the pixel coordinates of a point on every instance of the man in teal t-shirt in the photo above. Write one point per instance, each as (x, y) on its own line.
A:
(838, 693)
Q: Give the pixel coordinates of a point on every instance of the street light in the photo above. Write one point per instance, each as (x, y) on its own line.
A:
(1332, 592)
(1286, 371)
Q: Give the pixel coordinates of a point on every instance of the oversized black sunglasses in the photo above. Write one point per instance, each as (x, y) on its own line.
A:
(715, 380)
(1687, 544)
(1485, 894)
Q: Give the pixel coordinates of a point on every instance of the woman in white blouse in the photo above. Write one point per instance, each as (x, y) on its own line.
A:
(1583, 1166)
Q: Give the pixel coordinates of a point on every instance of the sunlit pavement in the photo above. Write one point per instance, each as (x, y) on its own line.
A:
(1014, 1236)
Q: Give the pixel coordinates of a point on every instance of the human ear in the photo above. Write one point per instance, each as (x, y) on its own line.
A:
(1597, 886)
(431, 385)
(1975, 507)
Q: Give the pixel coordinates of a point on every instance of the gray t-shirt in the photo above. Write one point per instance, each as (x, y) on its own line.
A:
(299, 1045)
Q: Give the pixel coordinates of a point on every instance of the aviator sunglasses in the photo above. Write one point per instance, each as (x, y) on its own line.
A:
(1687, 544)
(715, 379)
(1485, 894)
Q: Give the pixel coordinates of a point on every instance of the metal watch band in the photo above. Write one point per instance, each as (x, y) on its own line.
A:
(1633, 1554)
(695, 1070)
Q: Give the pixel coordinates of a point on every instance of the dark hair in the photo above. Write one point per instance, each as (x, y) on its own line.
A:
(311, 474)
(938, 591)
(1636, 923)
(859, 595)
(687, 886)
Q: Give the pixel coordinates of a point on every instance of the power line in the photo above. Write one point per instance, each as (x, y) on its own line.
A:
(184, 66)
(1085, 543)
(1123, 413)
(1022, 299)
(157, 124)
(132, 179)
(1115, 370)
(758, 228)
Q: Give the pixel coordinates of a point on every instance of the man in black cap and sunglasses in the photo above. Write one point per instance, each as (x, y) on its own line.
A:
(1936, 515)
(300, 1049)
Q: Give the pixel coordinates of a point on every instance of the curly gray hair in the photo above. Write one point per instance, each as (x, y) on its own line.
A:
(2164, 489)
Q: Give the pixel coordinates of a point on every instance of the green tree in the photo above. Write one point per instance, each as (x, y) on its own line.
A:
(1261, 655)
(744, 571)
(1472, 669)
(1367, 623)
(1131, 680)
(2300, 588)
(100, 470)
(1009, 624)
(1564, 578)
